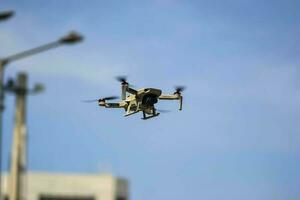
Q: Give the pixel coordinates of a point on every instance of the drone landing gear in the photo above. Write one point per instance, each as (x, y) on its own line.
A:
(131, 109)
(155, 114)
(130, 113)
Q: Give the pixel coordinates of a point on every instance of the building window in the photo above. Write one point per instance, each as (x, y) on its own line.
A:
(54, 197)
(121, 198)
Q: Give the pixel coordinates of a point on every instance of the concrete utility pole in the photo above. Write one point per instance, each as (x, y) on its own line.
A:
(4, 15)
(19, 147)
(71, 38)
(18, 155)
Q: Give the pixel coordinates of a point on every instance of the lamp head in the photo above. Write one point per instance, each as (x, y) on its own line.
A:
(6, 14)
(38, 88)
(71, 38)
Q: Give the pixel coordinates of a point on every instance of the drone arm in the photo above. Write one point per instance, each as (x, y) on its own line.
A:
(131, 91)
(168, 97)
(172, 97)
(180, 102)
(113, 105)
(124, 89)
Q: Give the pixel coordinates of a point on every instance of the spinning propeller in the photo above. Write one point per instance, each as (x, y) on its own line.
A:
(108, 98)
(122, 79)
(125, 86)
(102, 99)
(179, 89)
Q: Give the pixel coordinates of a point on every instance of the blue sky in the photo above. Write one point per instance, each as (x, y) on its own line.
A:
(238, 135)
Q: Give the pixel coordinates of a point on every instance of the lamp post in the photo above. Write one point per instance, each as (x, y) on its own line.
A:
(69, 39)
(19, 144)
(4, 15)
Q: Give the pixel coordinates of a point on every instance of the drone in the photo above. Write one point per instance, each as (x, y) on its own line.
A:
(141, 100)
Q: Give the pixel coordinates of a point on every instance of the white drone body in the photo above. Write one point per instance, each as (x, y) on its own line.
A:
(134, 101)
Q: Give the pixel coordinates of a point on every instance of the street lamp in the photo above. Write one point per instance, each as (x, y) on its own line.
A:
(71, 38)
(6, 14)
(19, 145)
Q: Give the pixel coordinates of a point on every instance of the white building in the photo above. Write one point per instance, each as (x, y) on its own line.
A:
(61, 186)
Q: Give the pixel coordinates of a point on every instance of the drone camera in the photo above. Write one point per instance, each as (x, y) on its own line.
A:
(101, 102)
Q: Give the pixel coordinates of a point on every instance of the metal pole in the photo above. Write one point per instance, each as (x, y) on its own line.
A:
(33, 51)
(1, 121)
